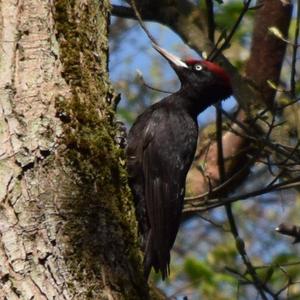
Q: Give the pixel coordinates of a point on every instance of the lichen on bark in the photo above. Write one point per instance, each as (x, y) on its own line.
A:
(101, 225)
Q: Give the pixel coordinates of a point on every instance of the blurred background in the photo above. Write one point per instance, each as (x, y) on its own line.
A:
(205, 263)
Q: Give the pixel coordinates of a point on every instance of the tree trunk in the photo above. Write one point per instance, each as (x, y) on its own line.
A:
(67, 223)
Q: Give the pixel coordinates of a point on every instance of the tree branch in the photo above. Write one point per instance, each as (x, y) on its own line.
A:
(210, 19)
(201, 203)
(127, 12)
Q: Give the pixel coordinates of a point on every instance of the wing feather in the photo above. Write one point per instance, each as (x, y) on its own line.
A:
(157, 167)
(164, 184)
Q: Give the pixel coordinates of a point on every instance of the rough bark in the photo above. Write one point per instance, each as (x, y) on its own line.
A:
(67, 224)
(267, 50)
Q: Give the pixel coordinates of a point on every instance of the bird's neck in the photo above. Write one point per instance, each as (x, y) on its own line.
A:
(192, 101)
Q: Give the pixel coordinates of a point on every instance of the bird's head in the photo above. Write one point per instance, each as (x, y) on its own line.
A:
(200, 77)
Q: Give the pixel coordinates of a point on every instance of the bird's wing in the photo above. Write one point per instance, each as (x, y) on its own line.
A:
(164, 190)
(157, 166)
(140, 135)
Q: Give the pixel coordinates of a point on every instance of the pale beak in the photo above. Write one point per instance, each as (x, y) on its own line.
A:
(170, 57)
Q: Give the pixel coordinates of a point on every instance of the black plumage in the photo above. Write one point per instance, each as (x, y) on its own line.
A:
(161, 147)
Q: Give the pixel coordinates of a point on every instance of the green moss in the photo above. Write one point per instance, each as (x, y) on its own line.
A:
(102, 226)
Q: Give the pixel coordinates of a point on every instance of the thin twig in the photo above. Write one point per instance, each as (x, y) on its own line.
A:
(290, 264)
(197, 204)
(228, 182)
(242, 276)
(139, 18)
(284, 163)
(221, 37)
(282, 107)
(232, 32)
(213, 223)
(141, 77)
(221, 166)
(240, 245)
(280, 149)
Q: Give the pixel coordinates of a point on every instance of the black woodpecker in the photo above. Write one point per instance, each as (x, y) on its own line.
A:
(161, 148)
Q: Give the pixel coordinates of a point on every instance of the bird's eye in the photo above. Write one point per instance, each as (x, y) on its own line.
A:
(198, 67)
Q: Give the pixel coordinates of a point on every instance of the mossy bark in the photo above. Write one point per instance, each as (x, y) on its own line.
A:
(67, 223)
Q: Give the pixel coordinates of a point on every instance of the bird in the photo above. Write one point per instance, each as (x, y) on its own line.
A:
(160, 149)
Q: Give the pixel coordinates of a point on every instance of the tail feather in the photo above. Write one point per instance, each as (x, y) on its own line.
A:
(153, 259)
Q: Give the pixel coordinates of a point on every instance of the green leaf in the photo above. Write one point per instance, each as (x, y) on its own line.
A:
(276, 32)
(197, 269)
(272, 84)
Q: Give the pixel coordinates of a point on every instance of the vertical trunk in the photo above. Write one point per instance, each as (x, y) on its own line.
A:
(67, 224)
